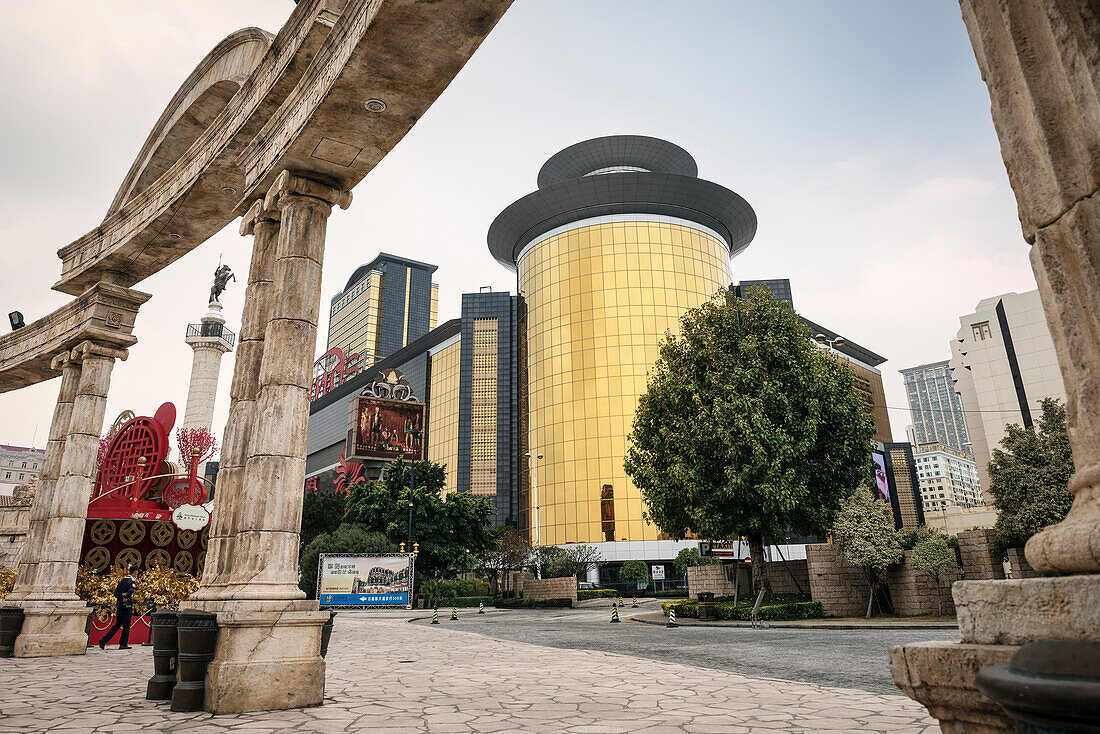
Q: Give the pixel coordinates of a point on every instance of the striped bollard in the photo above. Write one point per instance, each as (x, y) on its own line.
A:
(621, 604)
(672, 617)
(481, 607)
(454, 613)
(634, 602)
(614, 614)
(435, 615)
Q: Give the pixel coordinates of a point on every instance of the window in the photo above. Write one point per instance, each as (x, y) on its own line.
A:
(981, 331)
(20, 476)
(7, 476)
(24, 465)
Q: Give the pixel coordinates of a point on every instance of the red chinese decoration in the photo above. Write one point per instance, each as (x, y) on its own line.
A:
(347, 473)
(191, 439)
(133, 455)
(196, 445)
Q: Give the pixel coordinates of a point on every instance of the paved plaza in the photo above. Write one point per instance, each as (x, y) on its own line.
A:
(388, 675)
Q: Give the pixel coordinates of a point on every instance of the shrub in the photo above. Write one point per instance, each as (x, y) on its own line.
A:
(584, 594)
(502, 603)
(782, 611)
(466, 601)
(684, 607)
(7, 581)
(348, 538)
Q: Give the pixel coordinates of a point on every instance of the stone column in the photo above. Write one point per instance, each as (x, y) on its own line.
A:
(1041, 62)
(54, 622)
(210, 344)
(263, 225)
(268, 650)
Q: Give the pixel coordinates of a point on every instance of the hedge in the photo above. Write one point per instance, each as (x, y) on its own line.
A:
(465, 601)
(532, 603)
(780, 611)
(596, 594)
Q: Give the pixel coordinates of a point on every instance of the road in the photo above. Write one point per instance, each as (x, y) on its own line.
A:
(844, 658)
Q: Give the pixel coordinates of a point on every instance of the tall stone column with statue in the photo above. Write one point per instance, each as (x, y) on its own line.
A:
(268, 649)
(1041, 62)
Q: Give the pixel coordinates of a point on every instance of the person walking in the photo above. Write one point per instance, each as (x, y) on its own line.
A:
(124, 605)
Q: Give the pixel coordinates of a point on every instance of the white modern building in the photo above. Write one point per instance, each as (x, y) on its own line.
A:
(948, 478)
(18, 465)
(1003, 365)
(936, 408)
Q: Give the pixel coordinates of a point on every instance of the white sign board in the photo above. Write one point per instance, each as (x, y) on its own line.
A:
(657, 573)
(190, 517)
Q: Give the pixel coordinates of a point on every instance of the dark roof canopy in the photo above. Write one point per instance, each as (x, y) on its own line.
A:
(634, 151)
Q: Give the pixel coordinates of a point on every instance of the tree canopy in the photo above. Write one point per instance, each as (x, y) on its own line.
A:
(934, 556)
(865, 535)
(347, 538)
(451, 532)
(1029, 476)
(636, 570)
(689, 557)
(747, 428)
(322, 512)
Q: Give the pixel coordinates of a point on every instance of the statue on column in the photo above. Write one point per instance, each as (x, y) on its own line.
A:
(221, 277)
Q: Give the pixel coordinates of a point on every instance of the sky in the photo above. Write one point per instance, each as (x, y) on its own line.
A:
(859, 132)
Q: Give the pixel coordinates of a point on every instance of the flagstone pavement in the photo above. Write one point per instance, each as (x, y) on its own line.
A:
(387, 675)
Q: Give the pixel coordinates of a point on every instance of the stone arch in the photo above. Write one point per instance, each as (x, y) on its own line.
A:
(199, 100)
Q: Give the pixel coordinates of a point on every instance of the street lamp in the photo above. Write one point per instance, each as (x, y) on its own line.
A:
(412, 483)
(532, 461)
(836, 341)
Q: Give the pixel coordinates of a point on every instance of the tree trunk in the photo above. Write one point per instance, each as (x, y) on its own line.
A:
(759, 566)
(870, 600)
(939, 596)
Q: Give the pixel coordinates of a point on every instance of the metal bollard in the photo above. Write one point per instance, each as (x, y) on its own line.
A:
(672, 617)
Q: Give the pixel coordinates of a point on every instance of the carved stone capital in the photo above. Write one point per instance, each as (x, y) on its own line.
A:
(258, 213)
(62, 360)
(288, 184)
(88, 348)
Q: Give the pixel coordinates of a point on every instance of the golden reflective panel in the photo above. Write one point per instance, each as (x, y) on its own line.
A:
(442, 431)
(599, 300)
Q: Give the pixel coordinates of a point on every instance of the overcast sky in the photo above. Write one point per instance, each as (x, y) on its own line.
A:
(859, 131)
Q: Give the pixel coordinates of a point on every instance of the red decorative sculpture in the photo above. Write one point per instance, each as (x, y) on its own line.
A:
(347, 473)
(133, 455)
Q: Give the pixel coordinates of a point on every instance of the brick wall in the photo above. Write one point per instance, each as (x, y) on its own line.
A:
(780, 574)
(718, 580)
(981, 556)
(914, 592)
(529, 587)
(1018, 564)
(841, 589)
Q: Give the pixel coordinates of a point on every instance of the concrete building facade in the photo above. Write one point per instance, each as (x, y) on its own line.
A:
(936, 408)
(948, 478)
(18, 465)
(1003, 364)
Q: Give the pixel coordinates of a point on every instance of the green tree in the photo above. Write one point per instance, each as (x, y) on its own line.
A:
(636, 571)
(322, 512)
(747, 428)
(689, 557)
(934, 556)
(347, 538)
(579, 558)
(1029, 478)
(451, 532)
(548, 558)
(510, 550)
(865, 534)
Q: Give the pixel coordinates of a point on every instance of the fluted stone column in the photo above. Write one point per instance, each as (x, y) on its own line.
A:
(55, 618)
(268, 649)
(263, 225)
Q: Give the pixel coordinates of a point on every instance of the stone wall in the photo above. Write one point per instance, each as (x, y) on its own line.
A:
(841, 589)
(981, 555)
(1019, 566)
(784, 575)
(914, 592)
(15, 519)
(528, 587)
(718, 580)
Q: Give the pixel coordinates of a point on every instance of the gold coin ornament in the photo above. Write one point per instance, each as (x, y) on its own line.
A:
(103, 532)
(132, 532)
(185, 539)
(128, 557)
(161, 534)
(98, 558)
(204, 537)
(200, 563)
(158, 557)
(183, 562)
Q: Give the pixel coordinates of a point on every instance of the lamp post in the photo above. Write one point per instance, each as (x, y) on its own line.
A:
(836, 341)
(533, 460)
(412, 483)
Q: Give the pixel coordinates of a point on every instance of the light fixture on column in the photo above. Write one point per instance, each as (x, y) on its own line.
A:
(16, 320)
(228, 190)
(174, 236)
(375, 105)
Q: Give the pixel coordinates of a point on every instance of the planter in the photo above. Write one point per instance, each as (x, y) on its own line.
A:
(11, 622)
(326, 632)
(706, 606)
(165, 652)
(197, 633)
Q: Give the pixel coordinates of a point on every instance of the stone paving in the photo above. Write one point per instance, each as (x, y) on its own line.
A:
(387, 675)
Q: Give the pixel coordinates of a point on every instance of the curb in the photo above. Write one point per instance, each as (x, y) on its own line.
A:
(789, 625)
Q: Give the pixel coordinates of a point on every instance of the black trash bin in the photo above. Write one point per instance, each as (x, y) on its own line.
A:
(197, 634)
(326, 632)
(165, 651)
(706, 606)
(11, 623)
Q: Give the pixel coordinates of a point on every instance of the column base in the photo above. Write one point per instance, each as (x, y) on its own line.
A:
(268, 656)
(50, 630)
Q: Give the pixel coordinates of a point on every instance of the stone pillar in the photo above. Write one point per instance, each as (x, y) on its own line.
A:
(210, 344)
(263, 225)
(268, 651)
(1041, 62)
(55, 619)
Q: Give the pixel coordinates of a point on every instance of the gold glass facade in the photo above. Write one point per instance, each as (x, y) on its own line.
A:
(433, 313)
(599, 299)
(908, 495)
(483, 410)
(443, 412)
(354, 319)
(868, 385)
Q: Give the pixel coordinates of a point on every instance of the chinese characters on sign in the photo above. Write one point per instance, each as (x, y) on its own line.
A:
(365, 581)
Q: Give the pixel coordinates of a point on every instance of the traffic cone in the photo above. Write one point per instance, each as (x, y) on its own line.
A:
(634, 602)
(454, 613)
(621, 604)
(672, 617)
(614, 614)
(435, 616)
(481, 607)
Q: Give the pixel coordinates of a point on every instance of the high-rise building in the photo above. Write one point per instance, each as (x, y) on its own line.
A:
(904, 483)
(620, 239)
(948, 477)
(387, 303)
(935, 406)
(1003, 364)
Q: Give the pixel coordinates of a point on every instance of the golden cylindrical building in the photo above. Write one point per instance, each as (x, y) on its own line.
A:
(618, 242)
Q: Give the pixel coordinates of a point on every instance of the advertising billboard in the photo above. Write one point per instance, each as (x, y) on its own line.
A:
(386, 429)
(882, 484)
(345, 580)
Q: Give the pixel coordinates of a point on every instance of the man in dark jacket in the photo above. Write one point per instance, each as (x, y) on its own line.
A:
(124, 599)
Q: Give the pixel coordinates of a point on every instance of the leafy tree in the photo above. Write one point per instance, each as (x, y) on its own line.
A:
(510, 550)
(865, 534)
(689, 557)
(637, 571)
(549, 558)
(577, 561)
(934, 556)
(347, 538)
(747, 428)
(1029, 478)
(322, 512)
(451, 532)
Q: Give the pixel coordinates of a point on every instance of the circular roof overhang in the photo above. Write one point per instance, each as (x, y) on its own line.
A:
(557, 204)
(638, 151)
